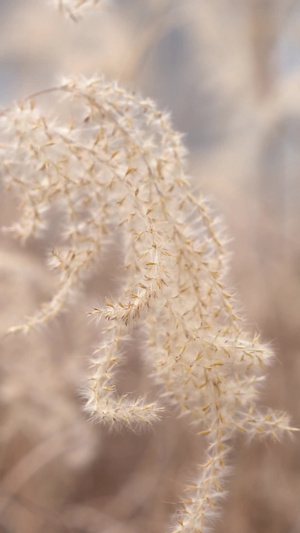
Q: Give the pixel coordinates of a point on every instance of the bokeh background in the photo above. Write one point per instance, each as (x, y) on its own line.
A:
(229, 73)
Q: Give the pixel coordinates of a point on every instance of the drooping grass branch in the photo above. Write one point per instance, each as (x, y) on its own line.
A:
(109, 161)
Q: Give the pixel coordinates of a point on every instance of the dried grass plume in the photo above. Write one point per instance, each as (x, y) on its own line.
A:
(108, 163)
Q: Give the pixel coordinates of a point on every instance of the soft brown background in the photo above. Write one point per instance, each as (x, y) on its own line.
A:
(229, 72)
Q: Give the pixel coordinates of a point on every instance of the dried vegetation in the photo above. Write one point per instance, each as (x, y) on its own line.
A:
(102, 177)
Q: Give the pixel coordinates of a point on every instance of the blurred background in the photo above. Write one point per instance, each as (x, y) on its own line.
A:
(229, 73)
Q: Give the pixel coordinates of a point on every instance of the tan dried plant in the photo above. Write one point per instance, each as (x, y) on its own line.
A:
(110, 164)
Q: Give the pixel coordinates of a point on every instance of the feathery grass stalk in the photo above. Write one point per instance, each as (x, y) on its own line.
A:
(116, 165)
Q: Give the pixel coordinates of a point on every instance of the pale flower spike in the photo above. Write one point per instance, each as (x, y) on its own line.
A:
(117, 166)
